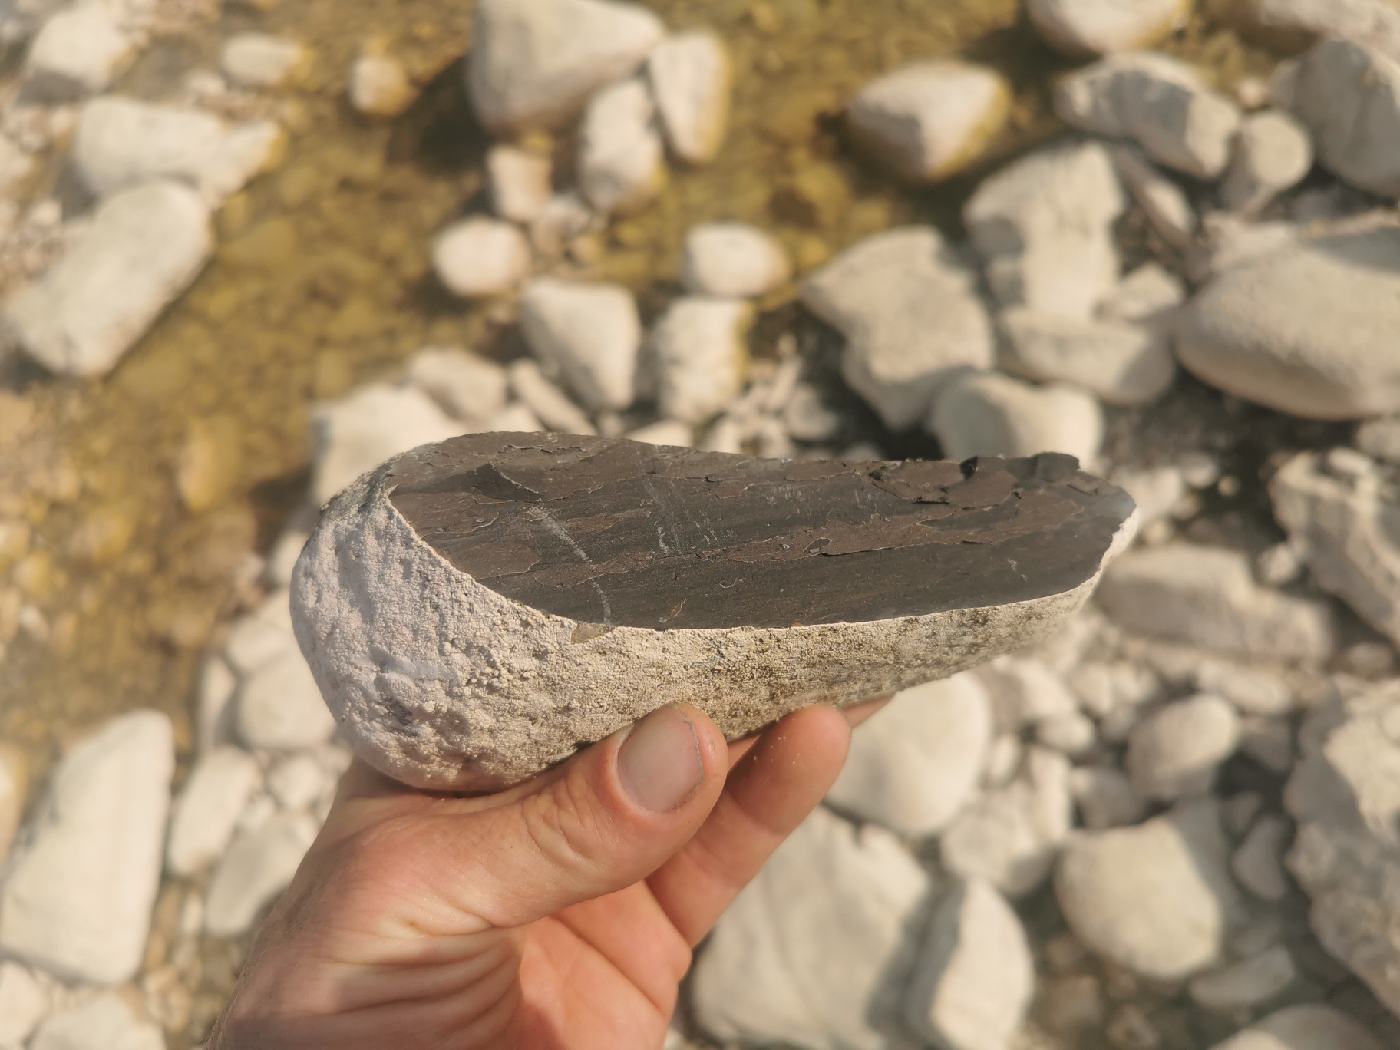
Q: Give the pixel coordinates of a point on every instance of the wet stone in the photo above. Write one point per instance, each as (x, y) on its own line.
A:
(841, 579)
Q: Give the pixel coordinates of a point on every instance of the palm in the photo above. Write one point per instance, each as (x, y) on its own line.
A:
(589, 977)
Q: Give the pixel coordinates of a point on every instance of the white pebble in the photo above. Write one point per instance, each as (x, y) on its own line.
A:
(700, 353)
(481, 257)
(690, 80)
(620, 156)
(732, 260)
(519, 181)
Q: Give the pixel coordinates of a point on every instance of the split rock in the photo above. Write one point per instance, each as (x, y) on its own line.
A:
(477, 609)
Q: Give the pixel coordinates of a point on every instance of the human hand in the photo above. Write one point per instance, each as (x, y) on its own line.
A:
(560, 913)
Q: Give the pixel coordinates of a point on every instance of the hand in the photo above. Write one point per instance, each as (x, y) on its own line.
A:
(559, 914)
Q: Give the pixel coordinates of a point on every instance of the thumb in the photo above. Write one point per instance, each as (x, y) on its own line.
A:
(615, 814)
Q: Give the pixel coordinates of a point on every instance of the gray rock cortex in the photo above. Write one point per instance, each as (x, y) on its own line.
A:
(476, 610)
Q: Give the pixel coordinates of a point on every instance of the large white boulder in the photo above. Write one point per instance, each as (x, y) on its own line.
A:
(911, 314)
(690, 80)
(1157, 899)
(1208, 597)
(915, 765)
(1307, 330)
(143, 247)
(1345, 796)
(77, 901)
(535, 62)
(990, 414)
(1348, 96)
(590, 332)
(1097, 27)
(974, 976)
(1343, 519)
(930, 120)
(1157, 102)
(1043, 228)
(826, 966)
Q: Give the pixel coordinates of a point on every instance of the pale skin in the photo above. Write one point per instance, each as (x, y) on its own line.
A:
(562, 913)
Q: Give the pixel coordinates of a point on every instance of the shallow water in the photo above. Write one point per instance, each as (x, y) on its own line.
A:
(321, 281)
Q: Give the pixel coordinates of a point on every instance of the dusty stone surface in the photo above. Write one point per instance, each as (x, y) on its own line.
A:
(105, 1022)
(1042, 226)
(621, 161)
(1348, 97)
(481, 257)
(919, 761)
(1101, 26)
(1150, 294)
(1157, 102)
(535, 62)
(1208, 597)
(1176, 751)
(690, 79)
(990, 414)
(700, 354)
(1157, 898)
(973, 980)
(1345, 524)
(911, 315)
(143, 247)
(732, 260)
(1303, 330)
(104, 811)
(1309, 1027)
(590, 332)
(1121, 363)
(1346, 855)
(563, 645)
(782, 973)
(929, 120)
(1272, 153)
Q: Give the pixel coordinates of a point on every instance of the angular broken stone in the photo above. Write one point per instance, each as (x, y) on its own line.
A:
(476, 610)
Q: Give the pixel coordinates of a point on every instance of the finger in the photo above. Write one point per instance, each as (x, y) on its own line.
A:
(607, 819)
(855, 715)
(772, 790)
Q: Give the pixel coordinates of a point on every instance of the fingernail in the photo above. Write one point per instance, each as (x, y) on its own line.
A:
(660, 764)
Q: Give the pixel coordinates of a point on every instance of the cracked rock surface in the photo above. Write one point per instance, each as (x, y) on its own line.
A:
(479, 608)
